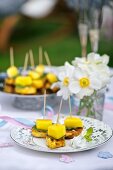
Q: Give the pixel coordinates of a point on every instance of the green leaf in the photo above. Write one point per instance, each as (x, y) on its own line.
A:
(88, 134)
(88, 139)
(89, 131)
(40, 130)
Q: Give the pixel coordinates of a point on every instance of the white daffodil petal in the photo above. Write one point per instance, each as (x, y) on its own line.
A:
(62, 75)
(90, 57)
(60, 92)
(78, 73)
(85, 92)
(64, 92)
(94, 58)
(69, 69)
(95, 83)
(74, 87)
(78, 60)
(66, 95)
(105, 59)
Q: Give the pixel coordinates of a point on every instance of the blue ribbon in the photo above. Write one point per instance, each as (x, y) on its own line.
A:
(24, 121)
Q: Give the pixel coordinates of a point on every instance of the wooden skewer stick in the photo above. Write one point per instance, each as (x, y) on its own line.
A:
(44, 104)
(40, 55)
(47, 58)
(59, 111)
(26, 61)
(31, 58)
(70, 108)
(11, 56)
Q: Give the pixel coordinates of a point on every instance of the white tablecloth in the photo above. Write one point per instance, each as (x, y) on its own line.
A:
(19, 158)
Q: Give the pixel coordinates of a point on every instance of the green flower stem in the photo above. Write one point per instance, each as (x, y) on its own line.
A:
(87, 103)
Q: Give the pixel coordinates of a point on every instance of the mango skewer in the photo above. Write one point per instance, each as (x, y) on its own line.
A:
(58, 116)
(11, 56)
(12, 71)
(47, 58)
(26, 62)
(31, 58)
(40, 55)
(44, 114)
(70, 108)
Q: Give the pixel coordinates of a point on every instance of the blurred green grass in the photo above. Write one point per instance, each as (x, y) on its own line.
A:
(54, 35)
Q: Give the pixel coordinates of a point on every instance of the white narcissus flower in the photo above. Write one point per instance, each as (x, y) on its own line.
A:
(65, 78)
(105, 59)
(85, 77)
(84, 84)
(95, 65)
(79, 61)
(102, 72)
(94, 58)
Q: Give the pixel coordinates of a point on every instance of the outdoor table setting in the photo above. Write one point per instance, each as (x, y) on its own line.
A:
(20, 150)
(55, 115)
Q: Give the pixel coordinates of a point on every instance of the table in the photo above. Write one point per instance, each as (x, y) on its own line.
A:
(19, 158)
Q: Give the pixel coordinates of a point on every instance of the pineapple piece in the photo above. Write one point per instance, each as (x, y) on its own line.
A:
(73, 122)
(34, 75)
(56, 131)
(43, 124)
(12, 71)
(23, 81)
(38, 83)
(52, 78)
(40, 69)
(25, 90)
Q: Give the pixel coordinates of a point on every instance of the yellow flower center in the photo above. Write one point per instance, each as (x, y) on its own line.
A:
(66, 81)
(84, 82)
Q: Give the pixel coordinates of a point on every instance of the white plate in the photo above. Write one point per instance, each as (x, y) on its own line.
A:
(102, 133)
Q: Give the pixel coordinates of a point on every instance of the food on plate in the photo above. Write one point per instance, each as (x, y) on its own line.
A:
(41, 128)
(23, 85)
(9, 82)
(74, 126)
(56, 136)
(9, 85)
(38, 84)
(23, 81)
(40, 69)
(34, 75)
(12, 72)
(51, 77)
(34, 81)
(8, 88)
(25, 90)
(30, 80)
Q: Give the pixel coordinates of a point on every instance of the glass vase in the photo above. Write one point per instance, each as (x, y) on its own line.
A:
(90, 106)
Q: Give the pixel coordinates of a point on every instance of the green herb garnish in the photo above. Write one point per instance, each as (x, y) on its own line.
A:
(40, 130)
(88, 134)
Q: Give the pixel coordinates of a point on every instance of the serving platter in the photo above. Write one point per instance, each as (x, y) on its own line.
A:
(3, 75)
(101, 134)
(30, 102)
